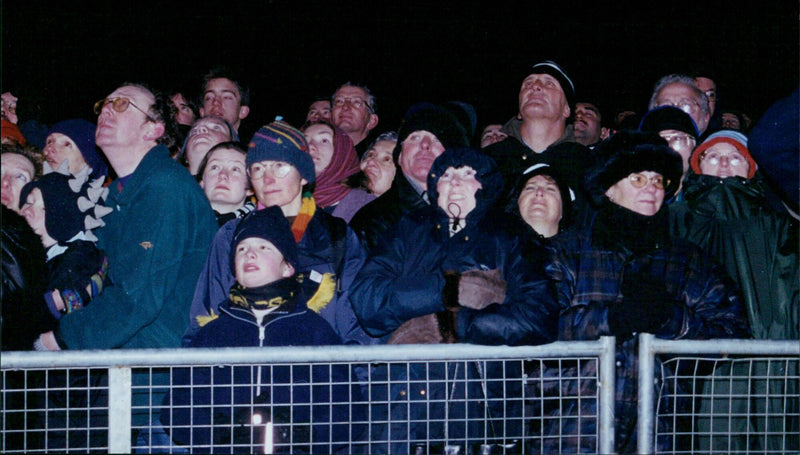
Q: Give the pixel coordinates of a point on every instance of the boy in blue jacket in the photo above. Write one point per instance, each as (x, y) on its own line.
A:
(228, 407)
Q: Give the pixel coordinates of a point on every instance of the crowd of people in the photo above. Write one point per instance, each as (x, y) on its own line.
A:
(159, 226)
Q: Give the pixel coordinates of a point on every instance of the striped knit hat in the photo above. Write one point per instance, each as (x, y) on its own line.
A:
(280, 141)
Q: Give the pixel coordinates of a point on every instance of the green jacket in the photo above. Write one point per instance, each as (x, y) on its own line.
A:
(732, 220)
(157, 239)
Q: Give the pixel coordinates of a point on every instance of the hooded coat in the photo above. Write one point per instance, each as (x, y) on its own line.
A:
(404, 278)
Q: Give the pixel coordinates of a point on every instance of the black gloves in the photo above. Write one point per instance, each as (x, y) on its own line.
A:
(645, 306)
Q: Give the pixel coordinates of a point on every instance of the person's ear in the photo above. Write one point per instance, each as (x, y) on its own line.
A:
(373, 121)
(286, 269)
(244, 111)
(153, 131)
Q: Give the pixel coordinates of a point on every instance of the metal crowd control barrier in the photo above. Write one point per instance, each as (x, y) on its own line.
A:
(453, 398)
(729, 396)
(719, 396)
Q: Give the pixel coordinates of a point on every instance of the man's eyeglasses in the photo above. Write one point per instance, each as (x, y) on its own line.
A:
(679, 140)
(277, 169)
(641, 180)
(119, 105)
(356, 103)
(685, 104)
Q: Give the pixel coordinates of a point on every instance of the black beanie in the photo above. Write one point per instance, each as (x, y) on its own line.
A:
(434, 119)
(269, 224)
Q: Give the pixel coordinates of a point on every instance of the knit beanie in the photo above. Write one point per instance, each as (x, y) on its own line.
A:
(280, 141)
(81, 132)
(269, 224)
(630, 151)
(70, 203)
(434, 119)
(554, 69)
(668, 118)
(732, 137)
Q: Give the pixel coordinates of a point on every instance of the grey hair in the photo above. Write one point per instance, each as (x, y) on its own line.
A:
(371, 102)
(702, 99)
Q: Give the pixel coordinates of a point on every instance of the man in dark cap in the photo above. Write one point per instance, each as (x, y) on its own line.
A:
(674, 125)
(539, 133)
(427, 130)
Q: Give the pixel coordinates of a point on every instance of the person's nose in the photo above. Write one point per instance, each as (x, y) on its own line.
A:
(650, 187)
(724, 161)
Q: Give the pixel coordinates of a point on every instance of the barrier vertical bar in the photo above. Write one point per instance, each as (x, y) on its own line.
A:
(646, 405)
(119, 410)
(607, 385)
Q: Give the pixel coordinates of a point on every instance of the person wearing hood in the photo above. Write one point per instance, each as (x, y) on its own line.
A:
(623, 274)
(453, 271)
(266, 307)
(73, 141)
(726, 212)
(426, 131)
(63, 218)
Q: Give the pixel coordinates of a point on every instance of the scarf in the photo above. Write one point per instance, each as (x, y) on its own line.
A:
(617, 227)
(282, 293)
(300, 223)
(330, 188)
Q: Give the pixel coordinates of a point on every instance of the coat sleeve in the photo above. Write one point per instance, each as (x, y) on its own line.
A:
(391, 288)
(529, 314)
(214, 282)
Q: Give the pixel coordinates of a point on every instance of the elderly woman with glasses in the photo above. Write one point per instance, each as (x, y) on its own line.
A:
(622, 274)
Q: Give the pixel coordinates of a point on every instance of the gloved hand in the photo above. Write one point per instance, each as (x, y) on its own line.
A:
(450, 292)
(477, 289)
(645, 306)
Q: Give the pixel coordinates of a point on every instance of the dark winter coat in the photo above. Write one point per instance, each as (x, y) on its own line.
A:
(328, 246)
(588, 268)
(732, 220)
(404, 278)
(377, 217)
(283, 394)
(24, 314)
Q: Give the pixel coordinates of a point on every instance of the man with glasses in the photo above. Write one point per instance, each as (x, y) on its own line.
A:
(156, 237)
(353, 111)
(679, 90)
(280, 168)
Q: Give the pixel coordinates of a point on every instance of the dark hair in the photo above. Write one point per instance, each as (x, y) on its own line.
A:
(225, 72)
(238, 146)
(190, 100)
(30, 152)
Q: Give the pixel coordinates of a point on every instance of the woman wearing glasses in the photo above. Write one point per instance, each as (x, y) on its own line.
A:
(622, 275)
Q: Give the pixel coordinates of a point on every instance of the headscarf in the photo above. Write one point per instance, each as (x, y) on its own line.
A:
(330, 187)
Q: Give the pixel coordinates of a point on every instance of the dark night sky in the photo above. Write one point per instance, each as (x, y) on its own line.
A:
(71, 53)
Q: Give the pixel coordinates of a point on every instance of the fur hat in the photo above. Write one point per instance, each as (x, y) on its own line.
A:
(554, 69)
(630, 151)
(668, 118)
(71, 203)
(81, 132)
(280, 141)
(269, 224)
(732, 137)
(434, 119)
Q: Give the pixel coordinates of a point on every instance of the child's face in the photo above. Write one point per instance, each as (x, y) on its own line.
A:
(33, 211)
(258, 262)
(225, 179)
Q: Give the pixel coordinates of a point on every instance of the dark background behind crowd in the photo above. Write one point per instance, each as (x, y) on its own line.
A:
(59, 58)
